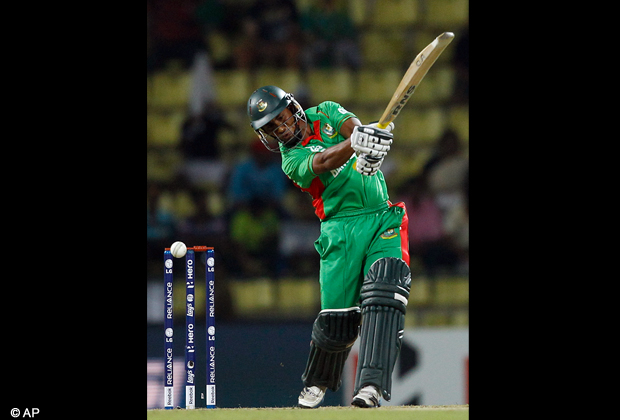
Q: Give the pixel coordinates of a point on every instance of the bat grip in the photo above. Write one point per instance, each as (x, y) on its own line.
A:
(383, 126)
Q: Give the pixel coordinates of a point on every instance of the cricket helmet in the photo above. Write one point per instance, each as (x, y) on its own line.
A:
(265, 104)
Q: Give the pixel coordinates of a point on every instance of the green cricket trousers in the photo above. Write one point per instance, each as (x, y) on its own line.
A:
(350, 243)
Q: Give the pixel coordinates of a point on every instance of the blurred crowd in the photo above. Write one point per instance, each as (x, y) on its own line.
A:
(275, 33)
(259, 223)
(250, 34)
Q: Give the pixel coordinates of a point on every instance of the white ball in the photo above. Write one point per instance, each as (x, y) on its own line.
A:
(178, 249)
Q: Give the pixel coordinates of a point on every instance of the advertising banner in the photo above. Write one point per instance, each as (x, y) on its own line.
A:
(432, 369)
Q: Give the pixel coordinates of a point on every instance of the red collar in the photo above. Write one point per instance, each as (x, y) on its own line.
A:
(316, 135)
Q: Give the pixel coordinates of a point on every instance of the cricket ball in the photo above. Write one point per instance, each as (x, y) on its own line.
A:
(178, 249)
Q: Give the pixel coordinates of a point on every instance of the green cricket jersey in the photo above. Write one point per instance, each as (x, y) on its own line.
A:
(342, 191)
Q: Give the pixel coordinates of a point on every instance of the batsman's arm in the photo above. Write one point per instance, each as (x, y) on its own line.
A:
(336, 156)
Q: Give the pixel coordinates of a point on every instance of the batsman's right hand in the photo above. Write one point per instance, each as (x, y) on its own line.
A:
(371, 141)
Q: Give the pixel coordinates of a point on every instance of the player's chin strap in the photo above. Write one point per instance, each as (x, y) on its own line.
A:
(333, 333)
(384, 297)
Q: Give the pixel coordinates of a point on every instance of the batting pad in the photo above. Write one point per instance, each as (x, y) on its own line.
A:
(333, 334)
(384, 297)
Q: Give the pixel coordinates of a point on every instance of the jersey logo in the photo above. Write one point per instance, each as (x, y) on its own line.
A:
(342, 110)
(329, 130)
(389, 234)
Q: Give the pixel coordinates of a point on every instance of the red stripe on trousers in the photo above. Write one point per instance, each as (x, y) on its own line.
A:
(404, 232)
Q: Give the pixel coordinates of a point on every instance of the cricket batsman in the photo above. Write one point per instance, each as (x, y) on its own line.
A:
(363, 244)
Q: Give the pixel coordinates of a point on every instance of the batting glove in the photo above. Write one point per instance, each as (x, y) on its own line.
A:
(371, 141)
(368, 165)
(389, 128)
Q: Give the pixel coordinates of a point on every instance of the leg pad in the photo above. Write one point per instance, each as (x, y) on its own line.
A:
(384, 297)
(333, 333)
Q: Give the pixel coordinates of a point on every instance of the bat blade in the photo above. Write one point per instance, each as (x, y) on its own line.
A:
(414, 75)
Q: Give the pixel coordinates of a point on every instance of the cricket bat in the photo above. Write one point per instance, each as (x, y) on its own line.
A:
(414, 75)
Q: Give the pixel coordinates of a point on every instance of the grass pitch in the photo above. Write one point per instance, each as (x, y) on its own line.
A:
(417, 412)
